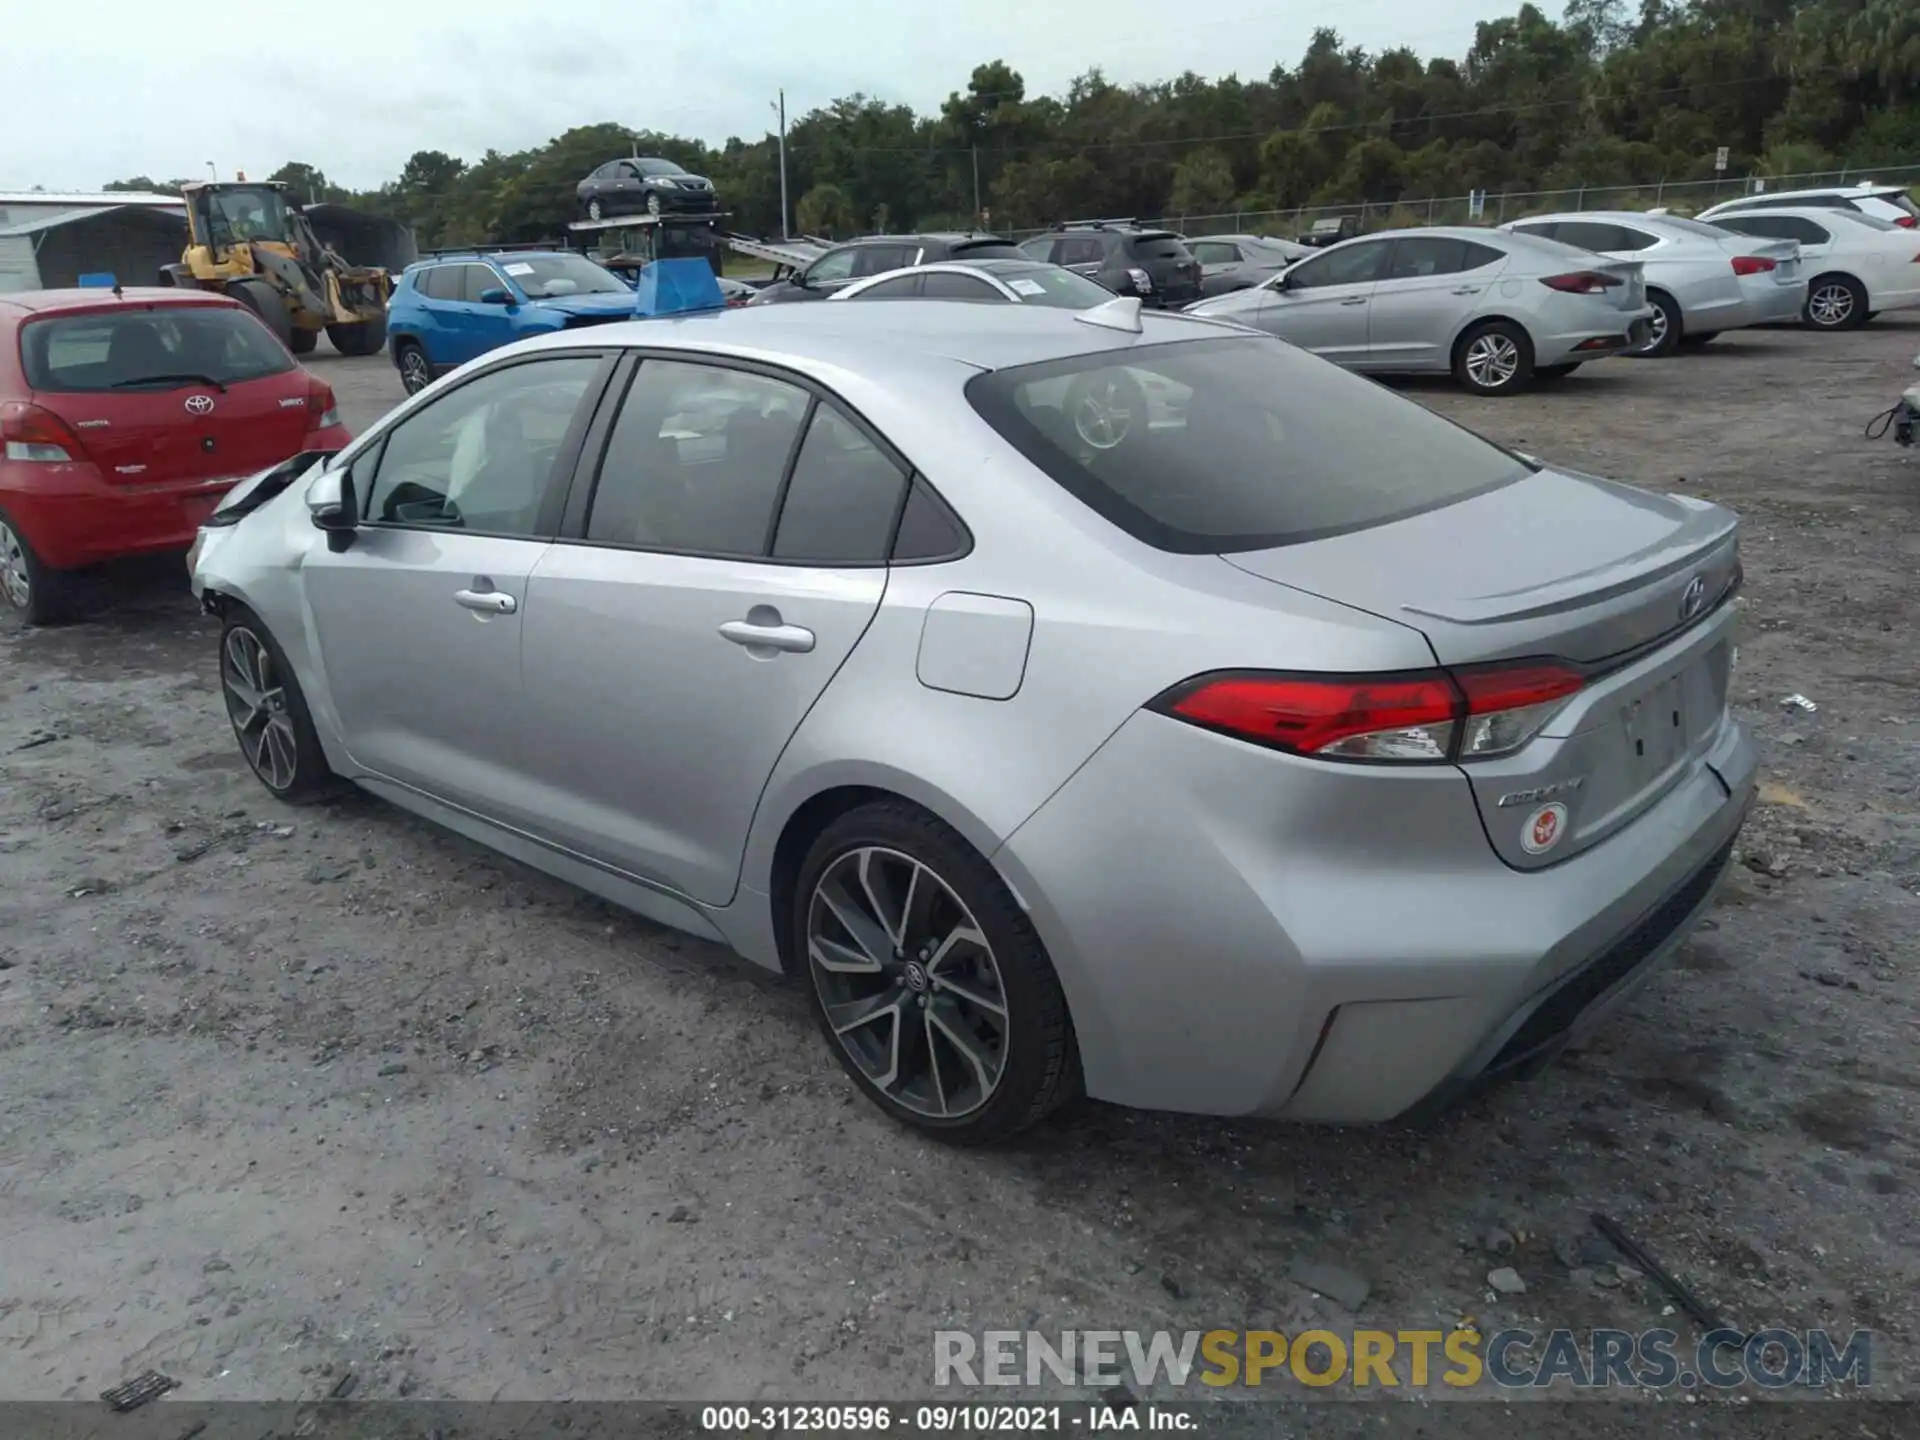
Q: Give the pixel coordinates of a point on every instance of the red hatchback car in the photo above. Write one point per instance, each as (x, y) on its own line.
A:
(126, 415)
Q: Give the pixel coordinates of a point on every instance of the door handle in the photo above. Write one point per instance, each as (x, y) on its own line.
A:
(486, 602)
(795, 639)
(1354, 300)
(1466, 290)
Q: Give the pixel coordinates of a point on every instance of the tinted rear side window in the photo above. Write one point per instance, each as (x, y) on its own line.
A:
(150, 349)
(1158, 247)
(1234, 444)
(843, 497)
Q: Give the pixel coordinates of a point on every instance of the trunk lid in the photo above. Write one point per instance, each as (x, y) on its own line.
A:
(1785, 255)
(1631, 294)
(171, 394)
(1568, 566)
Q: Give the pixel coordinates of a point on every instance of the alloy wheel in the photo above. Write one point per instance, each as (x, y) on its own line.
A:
(653, 205)
(1103, 417)
(14, 579)
(414, 374)
(1492, 360)
(908, 982)
(1830, 305)
(593, 210)
(257, 705)
(1656, 333)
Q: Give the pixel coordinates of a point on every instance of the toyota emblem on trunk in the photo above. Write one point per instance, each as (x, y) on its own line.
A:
(1693, 597)
(200, 404)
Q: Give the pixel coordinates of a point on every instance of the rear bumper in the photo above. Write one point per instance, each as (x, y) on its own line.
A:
(72, 518)
(1592, 337)
(1241, 932)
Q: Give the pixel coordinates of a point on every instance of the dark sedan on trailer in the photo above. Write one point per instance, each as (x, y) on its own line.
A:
(644, 185)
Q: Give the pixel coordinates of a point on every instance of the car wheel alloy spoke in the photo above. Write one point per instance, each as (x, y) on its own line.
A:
(258, 707)
(13, 569)
(908, 982)
(1657, 333)
(1493, 360)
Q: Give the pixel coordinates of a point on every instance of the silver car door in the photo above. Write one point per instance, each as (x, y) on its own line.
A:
(1432, 286)
(1321, 304)
(419, 620)
(682, 631)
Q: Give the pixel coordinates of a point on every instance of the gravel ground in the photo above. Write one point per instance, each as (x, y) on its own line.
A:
(296, 1093)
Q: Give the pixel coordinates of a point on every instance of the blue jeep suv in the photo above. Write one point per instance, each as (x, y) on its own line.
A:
(449, 309)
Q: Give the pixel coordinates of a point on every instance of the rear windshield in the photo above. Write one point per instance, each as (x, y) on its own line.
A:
(1051, 285)
(162, 348)
(987, 250)
(1691, 227)
(1900, 200)
(1158, 247)
(1242, 443)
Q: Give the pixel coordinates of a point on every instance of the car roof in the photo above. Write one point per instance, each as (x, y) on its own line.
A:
(948, 237)
(1863, 190)
(467, 257)
(46, 302)
(899, 342)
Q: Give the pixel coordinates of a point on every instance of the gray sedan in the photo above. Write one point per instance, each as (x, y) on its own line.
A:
(1701, 280)
(1239, 262)
(1303, 754)
(1495, 309)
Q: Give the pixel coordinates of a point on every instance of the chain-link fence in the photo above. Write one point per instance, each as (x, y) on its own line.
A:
(1495, 207)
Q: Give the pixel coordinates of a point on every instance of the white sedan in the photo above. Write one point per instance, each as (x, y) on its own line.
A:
(1857, 265)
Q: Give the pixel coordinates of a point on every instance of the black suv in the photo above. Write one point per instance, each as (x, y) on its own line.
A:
(876, 255)
(1152, 264)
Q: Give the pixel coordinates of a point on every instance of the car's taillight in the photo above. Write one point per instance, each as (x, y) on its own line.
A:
(1908, 222)
(1582, 282)
(322, 409)
(1142, 281)
(1409, 717)
(1753, 265)
(32, 432)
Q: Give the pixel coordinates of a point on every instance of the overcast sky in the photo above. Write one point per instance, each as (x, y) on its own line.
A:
(96, 90)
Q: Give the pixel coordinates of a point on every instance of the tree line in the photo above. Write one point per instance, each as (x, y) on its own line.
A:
(1604, 96)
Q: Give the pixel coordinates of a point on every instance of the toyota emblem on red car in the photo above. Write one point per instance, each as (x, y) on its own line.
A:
(199, 404)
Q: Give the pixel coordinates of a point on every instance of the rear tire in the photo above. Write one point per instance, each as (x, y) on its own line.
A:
(365, 337)
(269, 713)
(1667, 328)
(29, 589)
(1494, 358)
(269, 304)
(416, 371)
(945, 1009)
(1835, 302)
(1555, 372)
(303, 341)
(594, 210)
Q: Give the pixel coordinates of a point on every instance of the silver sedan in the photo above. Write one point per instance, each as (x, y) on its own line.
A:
(1497, 310)
(1295, 752)
(1701, 280)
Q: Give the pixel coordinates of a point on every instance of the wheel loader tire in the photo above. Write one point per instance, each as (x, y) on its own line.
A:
(367, 337)
(303, 341)
(268, 304)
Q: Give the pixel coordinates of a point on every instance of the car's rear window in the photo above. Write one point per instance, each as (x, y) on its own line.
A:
(1233, 444)
(1158, 246)
(1051, 285)
(987, 250)
(149, 348)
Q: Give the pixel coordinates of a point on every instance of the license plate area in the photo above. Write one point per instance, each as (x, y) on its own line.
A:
(1654, 725)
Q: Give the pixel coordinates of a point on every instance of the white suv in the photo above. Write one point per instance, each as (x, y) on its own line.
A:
(1884, 202)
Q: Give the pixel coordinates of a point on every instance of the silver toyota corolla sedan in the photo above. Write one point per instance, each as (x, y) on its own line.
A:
(1497, 310)
(1700, 280)
(1294, 753)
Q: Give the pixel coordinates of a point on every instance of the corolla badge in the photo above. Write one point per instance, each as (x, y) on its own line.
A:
(199, 404)
(1693, 597)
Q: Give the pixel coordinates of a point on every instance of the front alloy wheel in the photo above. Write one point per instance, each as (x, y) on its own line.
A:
(908, 983)
(415, 373)
(268, 712)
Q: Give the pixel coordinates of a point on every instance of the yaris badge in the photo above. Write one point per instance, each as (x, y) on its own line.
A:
(1542, 830)
(200, 404)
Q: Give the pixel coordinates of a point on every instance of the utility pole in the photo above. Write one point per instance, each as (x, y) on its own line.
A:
(976, 186)
(785, 234)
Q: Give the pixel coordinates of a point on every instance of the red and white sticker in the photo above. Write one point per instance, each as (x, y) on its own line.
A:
(1543, 828)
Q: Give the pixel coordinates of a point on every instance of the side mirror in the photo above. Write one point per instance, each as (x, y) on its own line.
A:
(496, 296)
(330, 504)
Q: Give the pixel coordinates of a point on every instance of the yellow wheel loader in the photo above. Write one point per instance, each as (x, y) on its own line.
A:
(247, 240)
